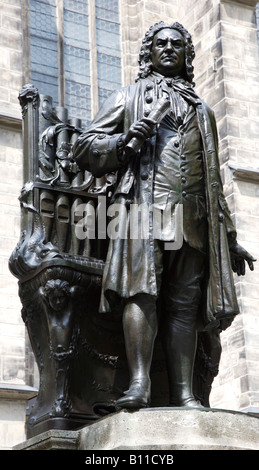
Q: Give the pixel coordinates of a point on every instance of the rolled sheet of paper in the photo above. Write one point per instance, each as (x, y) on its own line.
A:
(156, 114)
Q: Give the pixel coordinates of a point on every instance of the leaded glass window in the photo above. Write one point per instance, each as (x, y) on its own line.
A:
(68, 78)
(108, 47)
(43, 47)
(76, 59)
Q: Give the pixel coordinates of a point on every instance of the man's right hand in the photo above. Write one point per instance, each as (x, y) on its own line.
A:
(141, 130)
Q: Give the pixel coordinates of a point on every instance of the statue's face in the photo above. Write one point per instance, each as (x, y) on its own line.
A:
(57, 300)
(168, 52)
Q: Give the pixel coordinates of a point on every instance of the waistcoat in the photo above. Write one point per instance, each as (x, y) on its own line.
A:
(179, 176)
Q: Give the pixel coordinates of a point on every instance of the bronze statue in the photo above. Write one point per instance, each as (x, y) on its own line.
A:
(164, 161)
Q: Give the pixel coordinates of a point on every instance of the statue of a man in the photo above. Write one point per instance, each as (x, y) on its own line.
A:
(184, 290)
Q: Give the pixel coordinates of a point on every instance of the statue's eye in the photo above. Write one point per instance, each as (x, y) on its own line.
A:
(161, 43)
(44, 253)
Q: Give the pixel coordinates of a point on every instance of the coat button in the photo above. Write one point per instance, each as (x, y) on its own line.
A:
(176, 144)
(183, 180)
(144, 176)
(184, 193)
(149, 99)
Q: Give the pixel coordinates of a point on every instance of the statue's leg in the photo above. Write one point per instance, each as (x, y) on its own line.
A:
(182, 295)
(180, 346)
(140, 329)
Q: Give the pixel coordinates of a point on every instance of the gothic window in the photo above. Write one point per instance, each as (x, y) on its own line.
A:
(108, 47)
(77, 58)
(44, 46)
(61, 63)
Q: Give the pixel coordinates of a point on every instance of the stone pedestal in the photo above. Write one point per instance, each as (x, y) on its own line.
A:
(157, 429)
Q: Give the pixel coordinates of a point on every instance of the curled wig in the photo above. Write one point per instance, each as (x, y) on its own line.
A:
(145, 62)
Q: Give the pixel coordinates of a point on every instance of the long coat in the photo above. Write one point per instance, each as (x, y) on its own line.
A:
(130, 267)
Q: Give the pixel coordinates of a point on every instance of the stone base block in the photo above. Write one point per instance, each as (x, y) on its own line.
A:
(157, 429)
(54, 439)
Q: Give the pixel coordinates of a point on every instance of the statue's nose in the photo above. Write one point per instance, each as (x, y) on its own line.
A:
(169, 45)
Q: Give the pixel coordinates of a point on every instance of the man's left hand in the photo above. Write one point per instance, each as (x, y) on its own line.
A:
(238, 257)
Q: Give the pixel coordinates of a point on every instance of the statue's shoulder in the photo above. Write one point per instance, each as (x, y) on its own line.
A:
(133, 86)
(130, 91)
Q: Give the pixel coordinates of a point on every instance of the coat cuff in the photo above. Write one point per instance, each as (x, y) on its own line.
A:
(106, 154)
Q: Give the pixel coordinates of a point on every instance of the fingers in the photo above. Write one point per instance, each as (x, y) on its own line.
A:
(250, 264)
(141, 129)
(238, 265)
(149, 121)
(250, 261)
(242, 268)
(233, 264)
(238, 258)
(145, 126)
